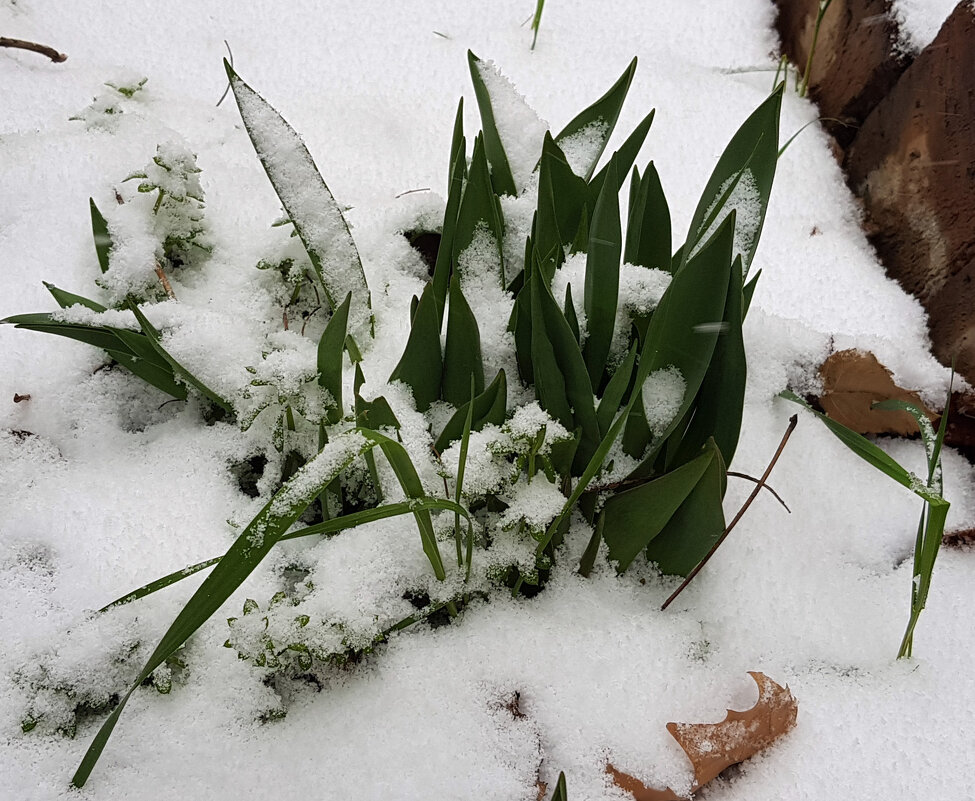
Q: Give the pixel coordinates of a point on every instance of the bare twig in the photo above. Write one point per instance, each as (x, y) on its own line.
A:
(44, 50)
(165, 282)
(755, 480)
(758, 488)
(231, 53)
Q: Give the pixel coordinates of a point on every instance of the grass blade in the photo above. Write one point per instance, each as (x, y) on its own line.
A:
(99, 232)
(330, 349)
(67, 299)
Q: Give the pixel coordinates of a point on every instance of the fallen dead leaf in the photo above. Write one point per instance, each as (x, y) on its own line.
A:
(852, 381)
(712, 747)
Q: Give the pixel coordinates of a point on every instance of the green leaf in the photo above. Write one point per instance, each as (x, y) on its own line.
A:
(648, 233)
(632, 518)
(562, 383)
(721, 398)
(99, 232)
(502, 178)
(569, 312)
(478, 212)
(615, 391)
(330, 348)
(748, 292)
(601, 295)
(248, 550)
(462, 351)
(308, 203)
(457, 147)
(444, 266)
(560, 793)
(682, 331)
(603, 115)
(67, 299)
(696, 526)
(562, 200)
(625, 156)
(488, 407)
(742, 179)
(421, 366)
(153, 338)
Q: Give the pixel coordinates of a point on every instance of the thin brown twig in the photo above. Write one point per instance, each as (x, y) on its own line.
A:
(165, 282)
(758, 488)
(44, 50)
(755, 481)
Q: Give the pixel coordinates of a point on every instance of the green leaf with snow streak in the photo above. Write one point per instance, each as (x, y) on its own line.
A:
(602, 116)
(152, 336)
(633, 517)
(741, 180)
(309, 204)
(488, 407)
(246, 553)
(478, 212)
(421, 365)
(99, 232)
(696, 525)
(330, 350)
(462, 350)
(601, 295)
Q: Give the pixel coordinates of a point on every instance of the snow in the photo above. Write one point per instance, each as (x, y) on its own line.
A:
(919, 21)
(106, 486)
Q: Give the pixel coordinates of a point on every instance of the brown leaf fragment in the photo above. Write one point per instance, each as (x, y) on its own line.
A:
(712, 747)
(960, 539)
(852, 381)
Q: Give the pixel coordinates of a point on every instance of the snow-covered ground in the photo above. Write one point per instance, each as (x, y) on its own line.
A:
(110, 490)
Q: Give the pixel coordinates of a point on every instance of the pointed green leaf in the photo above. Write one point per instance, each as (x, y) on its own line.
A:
(615, 392)
(597, 121)
(445, 250)
(625, 156)
(741, 180)
(478, 216)
(66, 299)
(99, 232)
(602, 277)
(632, 518)
(649, 244)
(488, 407)
(569, 312)
(421, 366)
(462, 350)
(308, 202)
(330, 348)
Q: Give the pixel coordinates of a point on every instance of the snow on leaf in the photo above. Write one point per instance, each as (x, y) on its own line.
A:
(712, 747)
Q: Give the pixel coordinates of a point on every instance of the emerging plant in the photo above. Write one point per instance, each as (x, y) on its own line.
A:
(931, 527)
(105, 107)
(588, 376)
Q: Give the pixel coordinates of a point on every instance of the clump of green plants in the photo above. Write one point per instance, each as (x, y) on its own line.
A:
(104, 109)
(564, 368)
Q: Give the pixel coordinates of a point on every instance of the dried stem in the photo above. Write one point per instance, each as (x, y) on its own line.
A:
(165, 282)
(44, 50)
(758, 488)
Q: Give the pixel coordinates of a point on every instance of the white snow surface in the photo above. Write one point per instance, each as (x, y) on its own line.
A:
(111, 489)
(920, 20)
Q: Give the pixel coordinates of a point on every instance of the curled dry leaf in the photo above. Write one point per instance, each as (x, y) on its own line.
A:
(712, 747)
(852, 381)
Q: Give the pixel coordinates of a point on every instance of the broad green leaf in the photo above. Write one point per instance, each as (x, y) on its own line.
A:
(376, 414)
(99, 232)
(330, 348)
(569, 312)
(462, 350)
(741, 180)
(248, 550)
(633, 517)
(696, 526)
(478, 216)
(457, 147)
(308, 202)
(488, 407)
(66, 299)
(562, 383)
(601, 295)
(597, 123)
(421, 366)
(748, 292)
(153, 338)
(682, 331)
(721, 398)
(648, 231)
(562, 200)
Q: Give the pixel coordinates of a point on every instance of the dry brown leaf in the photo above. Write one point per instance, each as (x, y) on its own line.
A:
(852, 381)
(712, 747)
